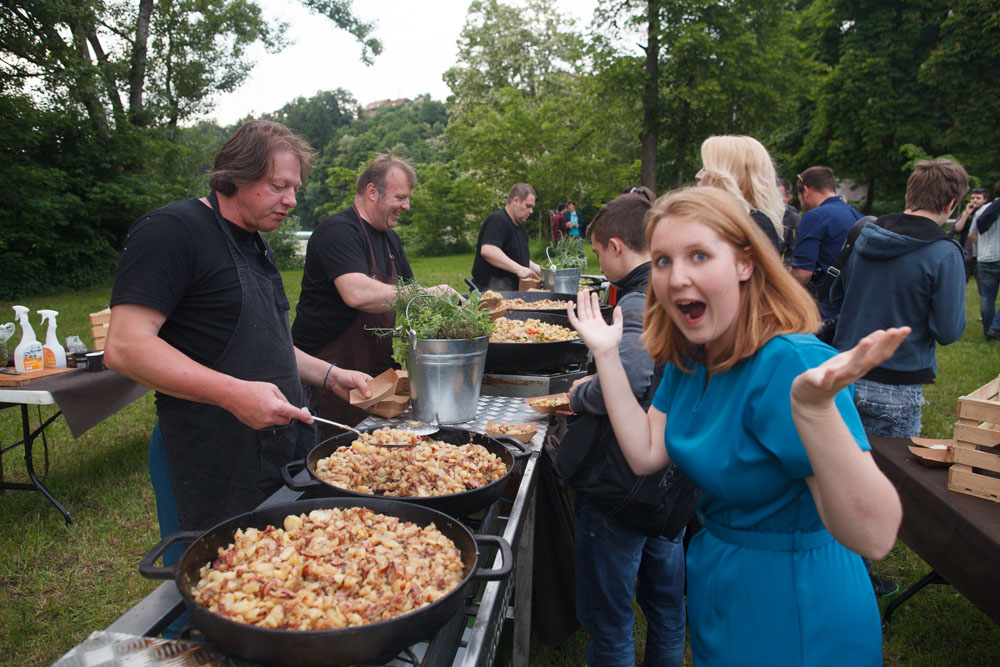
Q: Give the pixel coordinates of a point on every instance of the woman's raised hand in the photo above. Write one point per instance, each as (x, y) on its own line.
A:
(590, 325)
(817, 386)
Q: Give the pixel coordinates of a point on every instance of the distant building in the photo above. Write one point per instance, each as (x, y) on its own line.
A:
(372, 107)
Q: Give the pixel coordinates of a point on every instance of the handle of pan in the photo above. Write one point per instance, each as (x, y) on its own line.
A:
(506, 555)
(521, 448)
(150, 571)
(471, 285)
(288, 477)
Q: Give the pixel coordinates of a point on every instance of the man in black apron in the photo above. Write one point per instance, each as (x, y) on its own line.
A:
(199, 314)
(353, 261)
(502, 255)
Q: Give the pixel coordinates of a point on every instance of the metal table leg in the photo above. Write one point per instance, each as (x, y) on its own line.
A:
(28, 444)
(522, 586)
(932, 578)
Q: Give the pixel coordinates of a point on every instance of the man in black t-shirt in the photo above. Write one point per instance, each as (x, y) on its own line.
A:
(502, 255)
(199, 314)
(353, 261)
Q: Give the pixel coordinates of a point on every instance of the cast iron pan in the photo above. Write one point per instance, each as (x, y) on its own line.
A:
(535, 357)
(554, 296)
(455, 504)
(375, 643)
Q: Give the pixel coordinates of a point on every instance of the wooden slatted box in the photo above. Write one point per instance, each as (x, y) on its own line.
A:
(976, 452)
(99, 322)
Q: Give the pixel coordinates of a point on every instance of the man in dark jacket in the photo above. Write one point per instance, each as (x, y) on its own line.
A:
(628, 527)
(905, 270)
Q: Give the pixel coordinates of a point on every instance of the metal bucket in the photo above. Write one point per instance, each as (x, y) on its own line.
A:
(445, 377)
(566, 281)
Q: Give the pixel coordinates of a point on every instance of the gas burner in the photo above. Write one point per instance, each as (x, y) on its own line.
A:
(526, 385)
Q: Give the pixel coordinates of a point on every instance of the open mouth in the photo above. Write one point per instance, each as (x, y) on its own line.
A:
(691, 310)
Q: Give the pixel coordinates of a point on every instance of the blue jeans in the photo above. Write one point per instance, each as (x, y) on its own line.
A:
(989, 283)
(163, 490)
(609, 559)
(891, 410)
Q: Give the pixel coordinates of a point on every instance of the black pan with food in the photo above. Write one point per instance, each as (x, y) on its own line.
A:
(535, 357)
(374, 643)
(553, 296)
(455, 504)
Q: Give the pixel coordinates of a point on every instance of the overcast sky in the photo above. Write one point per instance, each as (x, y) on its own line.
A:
(419, 43)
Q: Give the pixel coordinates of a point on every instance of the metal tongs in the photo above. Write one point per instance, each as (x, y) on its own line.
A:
(419, 429)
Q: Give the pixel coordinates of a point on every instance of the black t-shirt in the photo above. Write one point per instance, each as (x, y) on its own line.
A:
(338, 246)
(177, 261)
(766, 226)
(499, 230)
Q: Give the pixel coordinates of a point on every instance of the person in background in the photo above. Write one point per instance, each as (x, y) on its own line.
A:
(790, 220)
(502, 254)
(199, 314)
(742, 167)
(904, 270)
(574, 223)
(822, 230)
(759, 414)
(629, 528)
(977, 199)
(353, 260)
(986, 236)
(558, 223)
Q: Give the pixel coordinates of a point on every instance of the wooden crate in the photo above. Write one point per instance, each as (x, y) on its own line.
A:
(99, 323)
(976, 452)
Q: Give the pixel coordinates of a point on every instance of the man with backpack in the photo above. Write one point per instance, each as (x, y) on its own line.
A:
(986, 233)
(628, 527)
(905, 270)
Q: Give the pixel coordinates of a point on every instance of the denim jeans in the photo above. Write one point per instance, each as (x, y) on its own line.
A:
(989, 284)
(891, 410)
(609, 559)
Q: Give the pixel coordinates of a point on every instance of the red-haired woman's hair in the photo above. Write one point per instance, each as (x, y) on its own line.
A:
(771, 303)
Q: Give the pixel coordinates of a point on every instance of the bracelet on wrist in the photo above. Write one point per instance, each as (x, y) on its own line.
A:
(327, 376)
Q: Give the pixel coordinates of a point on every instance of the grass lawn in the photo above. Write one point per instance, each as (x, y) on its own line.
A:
(59, 583)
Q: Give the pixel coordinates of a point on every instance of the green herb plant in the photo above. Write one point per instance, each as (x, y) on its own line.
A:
(565, 254)
(431, 315)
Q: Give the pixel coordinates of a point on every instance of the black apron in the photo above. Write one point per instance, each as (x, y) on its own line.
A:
(219, 466)
(358, 348)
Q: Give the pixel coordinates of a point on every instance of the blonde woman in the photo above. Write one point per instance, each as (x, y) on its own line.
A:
(741, 166)
(759, 414)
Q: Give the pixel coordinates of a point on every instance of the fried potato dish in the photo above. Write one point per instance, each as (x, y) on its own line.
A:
(530, 330)
(428, 468)
(329, 569)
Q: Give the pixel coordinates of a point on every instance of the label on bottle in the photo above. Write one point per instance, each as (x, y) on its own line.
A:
(33, 360)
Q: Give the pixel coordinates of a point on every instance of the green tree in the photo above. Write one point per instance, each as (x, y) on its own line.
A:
(521, 111)
(318, 118)
(96, 95)
(720, 68)
(873, 102)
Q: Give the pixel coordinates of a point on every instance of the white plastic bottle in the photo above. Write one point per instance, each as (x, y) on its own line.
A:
(53, 353)
(28, 353)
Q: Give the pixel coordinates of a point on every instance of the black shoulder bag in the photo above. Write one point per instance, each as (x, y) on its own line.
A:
(828, 327)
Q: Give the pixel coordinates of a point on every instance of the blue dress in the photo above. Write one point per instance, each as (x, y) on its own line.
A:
(767, 584)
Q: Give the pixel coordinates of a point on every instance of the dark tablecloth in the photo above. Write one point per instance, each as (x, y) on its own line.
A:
(956, 534)
(86, 399)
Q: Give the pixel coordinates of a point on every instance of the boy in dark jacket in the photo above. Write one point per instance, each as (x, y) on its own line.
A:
(905, 271)
(628, 527)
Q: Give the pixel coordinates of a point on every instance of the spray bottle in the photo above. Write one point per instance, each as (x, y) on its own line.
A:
(28, 353)
(53, 353)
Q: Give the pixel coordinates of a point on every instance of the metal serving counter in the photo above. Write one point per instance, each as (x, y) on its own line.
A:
(469, 639)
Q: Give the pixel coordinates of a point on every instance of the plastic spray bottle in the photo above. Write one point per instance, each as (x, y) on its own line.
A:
(28, 353)
(53, 353)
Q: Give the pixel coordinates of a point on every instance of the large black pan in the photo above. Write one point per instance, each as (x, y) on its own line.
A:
(554, 296)
(456, 504)
(535, 357)
(373, 643)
